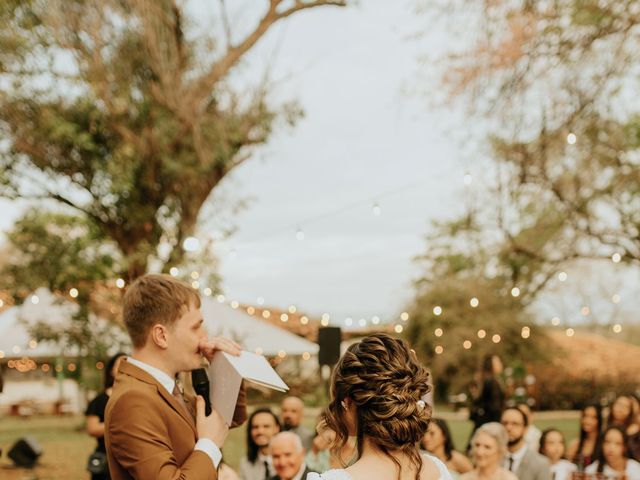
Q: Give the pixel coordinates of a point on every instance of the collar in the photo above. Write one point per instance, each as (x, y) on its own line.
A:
(162, 378)
(298, 476)
(519, 454)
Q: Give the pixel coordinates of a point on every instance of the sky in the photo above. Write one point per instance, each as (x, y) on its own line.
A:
(368, 138)
(360, 177)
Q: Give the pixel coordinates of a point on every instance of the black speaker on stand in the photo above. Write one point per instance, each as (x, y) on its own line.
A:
(329, 339)
(25, 452)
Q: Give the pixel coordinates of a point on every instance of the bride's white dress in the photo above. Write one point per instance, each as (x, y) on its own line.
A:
(340, 474)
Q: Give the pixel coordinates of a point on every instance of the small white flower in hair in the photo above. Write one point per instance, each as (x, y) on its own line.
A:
(421, 404)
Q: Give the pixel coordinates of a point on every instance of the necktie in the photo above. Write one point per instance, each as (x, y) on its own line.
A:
(266, 471)
(511, 463)
(179, 396)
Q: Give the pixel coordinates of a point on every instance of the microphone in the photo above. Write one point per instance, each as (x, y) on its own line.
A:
(200, 381)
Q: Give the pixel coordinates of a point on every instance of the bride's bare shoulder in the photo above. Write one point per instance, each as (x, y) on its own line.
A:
(433, 469)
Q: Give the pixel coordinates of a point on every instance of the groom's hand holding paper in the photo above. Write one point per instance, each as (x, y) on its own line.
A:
(226, 373)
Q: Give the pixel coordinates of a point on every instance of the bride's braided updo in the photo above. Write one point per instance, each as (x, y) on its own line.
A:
(384, 380)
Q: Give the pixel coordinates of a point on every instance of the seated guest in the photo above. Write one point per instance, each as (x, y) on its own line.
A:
(437, 441)
(532, 437)
(288, 457)
(612, 459)
(318, 458)
(292, 410)
(624, 414)
(582, 450)
(261, 427)
(552, 446)
(488, 447)
(527, 464)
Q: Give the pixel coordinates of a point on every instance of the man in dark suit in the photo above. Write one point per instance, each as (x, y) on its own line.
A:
(287, 454)
(152, 430)
(527, 464)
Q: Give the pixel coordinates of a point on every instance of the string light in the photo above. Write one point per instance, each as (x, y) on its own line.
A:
(292, 309)
(362, 322)
(617, 328)
(515, 292)
(174, 271)
(34, 299)
(466, 344)
(304, 320)
(375, 320)
(496, 338)
(33, 344)
(438, 332)
(251, 310)
(526, 332)
(99, 365)
(306, 356)
(282, 354)
(570, 332)
(616, 257)
(207, 292)
(195, 285)
(437, 310)
(439, 349)
(474, 302)
(234, 304)
(348, 321)
(195, 275)
(1, 303)
(555, 321)
(404, 316)
(482, 333)
(571, 139)
(562, 276)
(615, 298)
(398, 328)
(73, 293)
(191, 244)
(16, 349)
(284, 317)
(220, 298)
(120, 283)
(1, 354)
(584, 311)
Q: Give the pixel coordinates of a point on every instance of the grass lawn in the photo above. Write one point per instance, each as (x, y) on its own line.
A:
(66, 446)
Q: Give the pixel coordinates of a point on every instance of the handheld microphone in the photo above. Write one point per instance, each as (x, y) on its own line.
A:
(200, 381)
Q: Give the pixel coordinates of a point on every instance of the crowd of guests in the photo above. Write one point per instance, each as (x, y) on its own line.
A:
(505, 444)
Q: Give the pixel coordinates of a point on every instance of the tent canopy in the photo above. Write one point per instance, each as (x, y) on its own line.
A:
(252, 333)
(220, 320)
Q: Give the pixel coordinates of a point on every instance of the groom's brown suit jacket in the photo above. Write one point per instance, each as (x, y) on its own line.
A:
(149, 435)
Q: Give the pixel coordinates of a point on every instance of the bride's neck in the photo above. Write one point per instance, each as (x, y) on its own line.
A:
(370, 450)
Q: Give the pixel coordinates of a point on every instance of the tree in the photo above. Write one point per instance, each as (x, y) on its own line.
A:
(123, 113)
(122, 110)
(465, 308)
(554, 80)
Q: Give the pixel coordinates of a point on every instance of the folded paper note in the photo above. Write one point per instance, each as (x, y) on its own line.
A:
(226, 373)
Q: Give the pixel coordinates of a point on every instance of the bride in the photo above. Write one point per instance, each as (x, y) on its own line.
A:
(378, 395)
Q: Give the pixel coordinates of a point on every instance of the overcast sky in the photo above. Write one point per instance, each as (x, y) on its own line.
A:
(369, 137)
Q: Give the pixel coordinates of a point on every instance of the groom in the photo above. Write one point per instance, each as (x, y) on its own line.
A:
(152, 430)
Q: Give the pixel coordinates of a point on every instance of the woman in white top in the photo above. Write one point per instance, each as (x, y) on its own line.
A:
(612, 459)
(552, 446)
(488, 446)
(378, 393)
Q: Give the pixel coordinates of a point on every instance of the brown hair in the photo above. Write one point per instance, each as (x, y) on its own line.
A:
(382, 377)
(154, 299)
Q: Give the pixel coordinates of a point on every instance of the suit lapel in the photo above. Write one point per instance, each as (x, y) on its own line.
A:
(139, 374)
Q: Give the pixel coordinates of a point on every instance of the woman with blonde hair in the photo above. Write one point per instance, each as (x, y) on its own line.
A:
(378, 395)
(488, 446)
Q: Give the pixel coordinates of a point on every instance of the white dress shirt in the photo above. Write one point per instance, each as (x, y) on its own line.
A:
(517, 456)
(205, 445)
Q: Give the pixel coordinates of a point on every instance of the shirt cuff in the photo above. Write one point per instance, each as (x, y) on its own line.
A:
(207, 446)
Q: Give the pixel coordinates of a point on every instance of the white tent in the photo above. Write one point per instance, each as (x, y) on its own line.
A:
(42, 306)
(253, 334)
